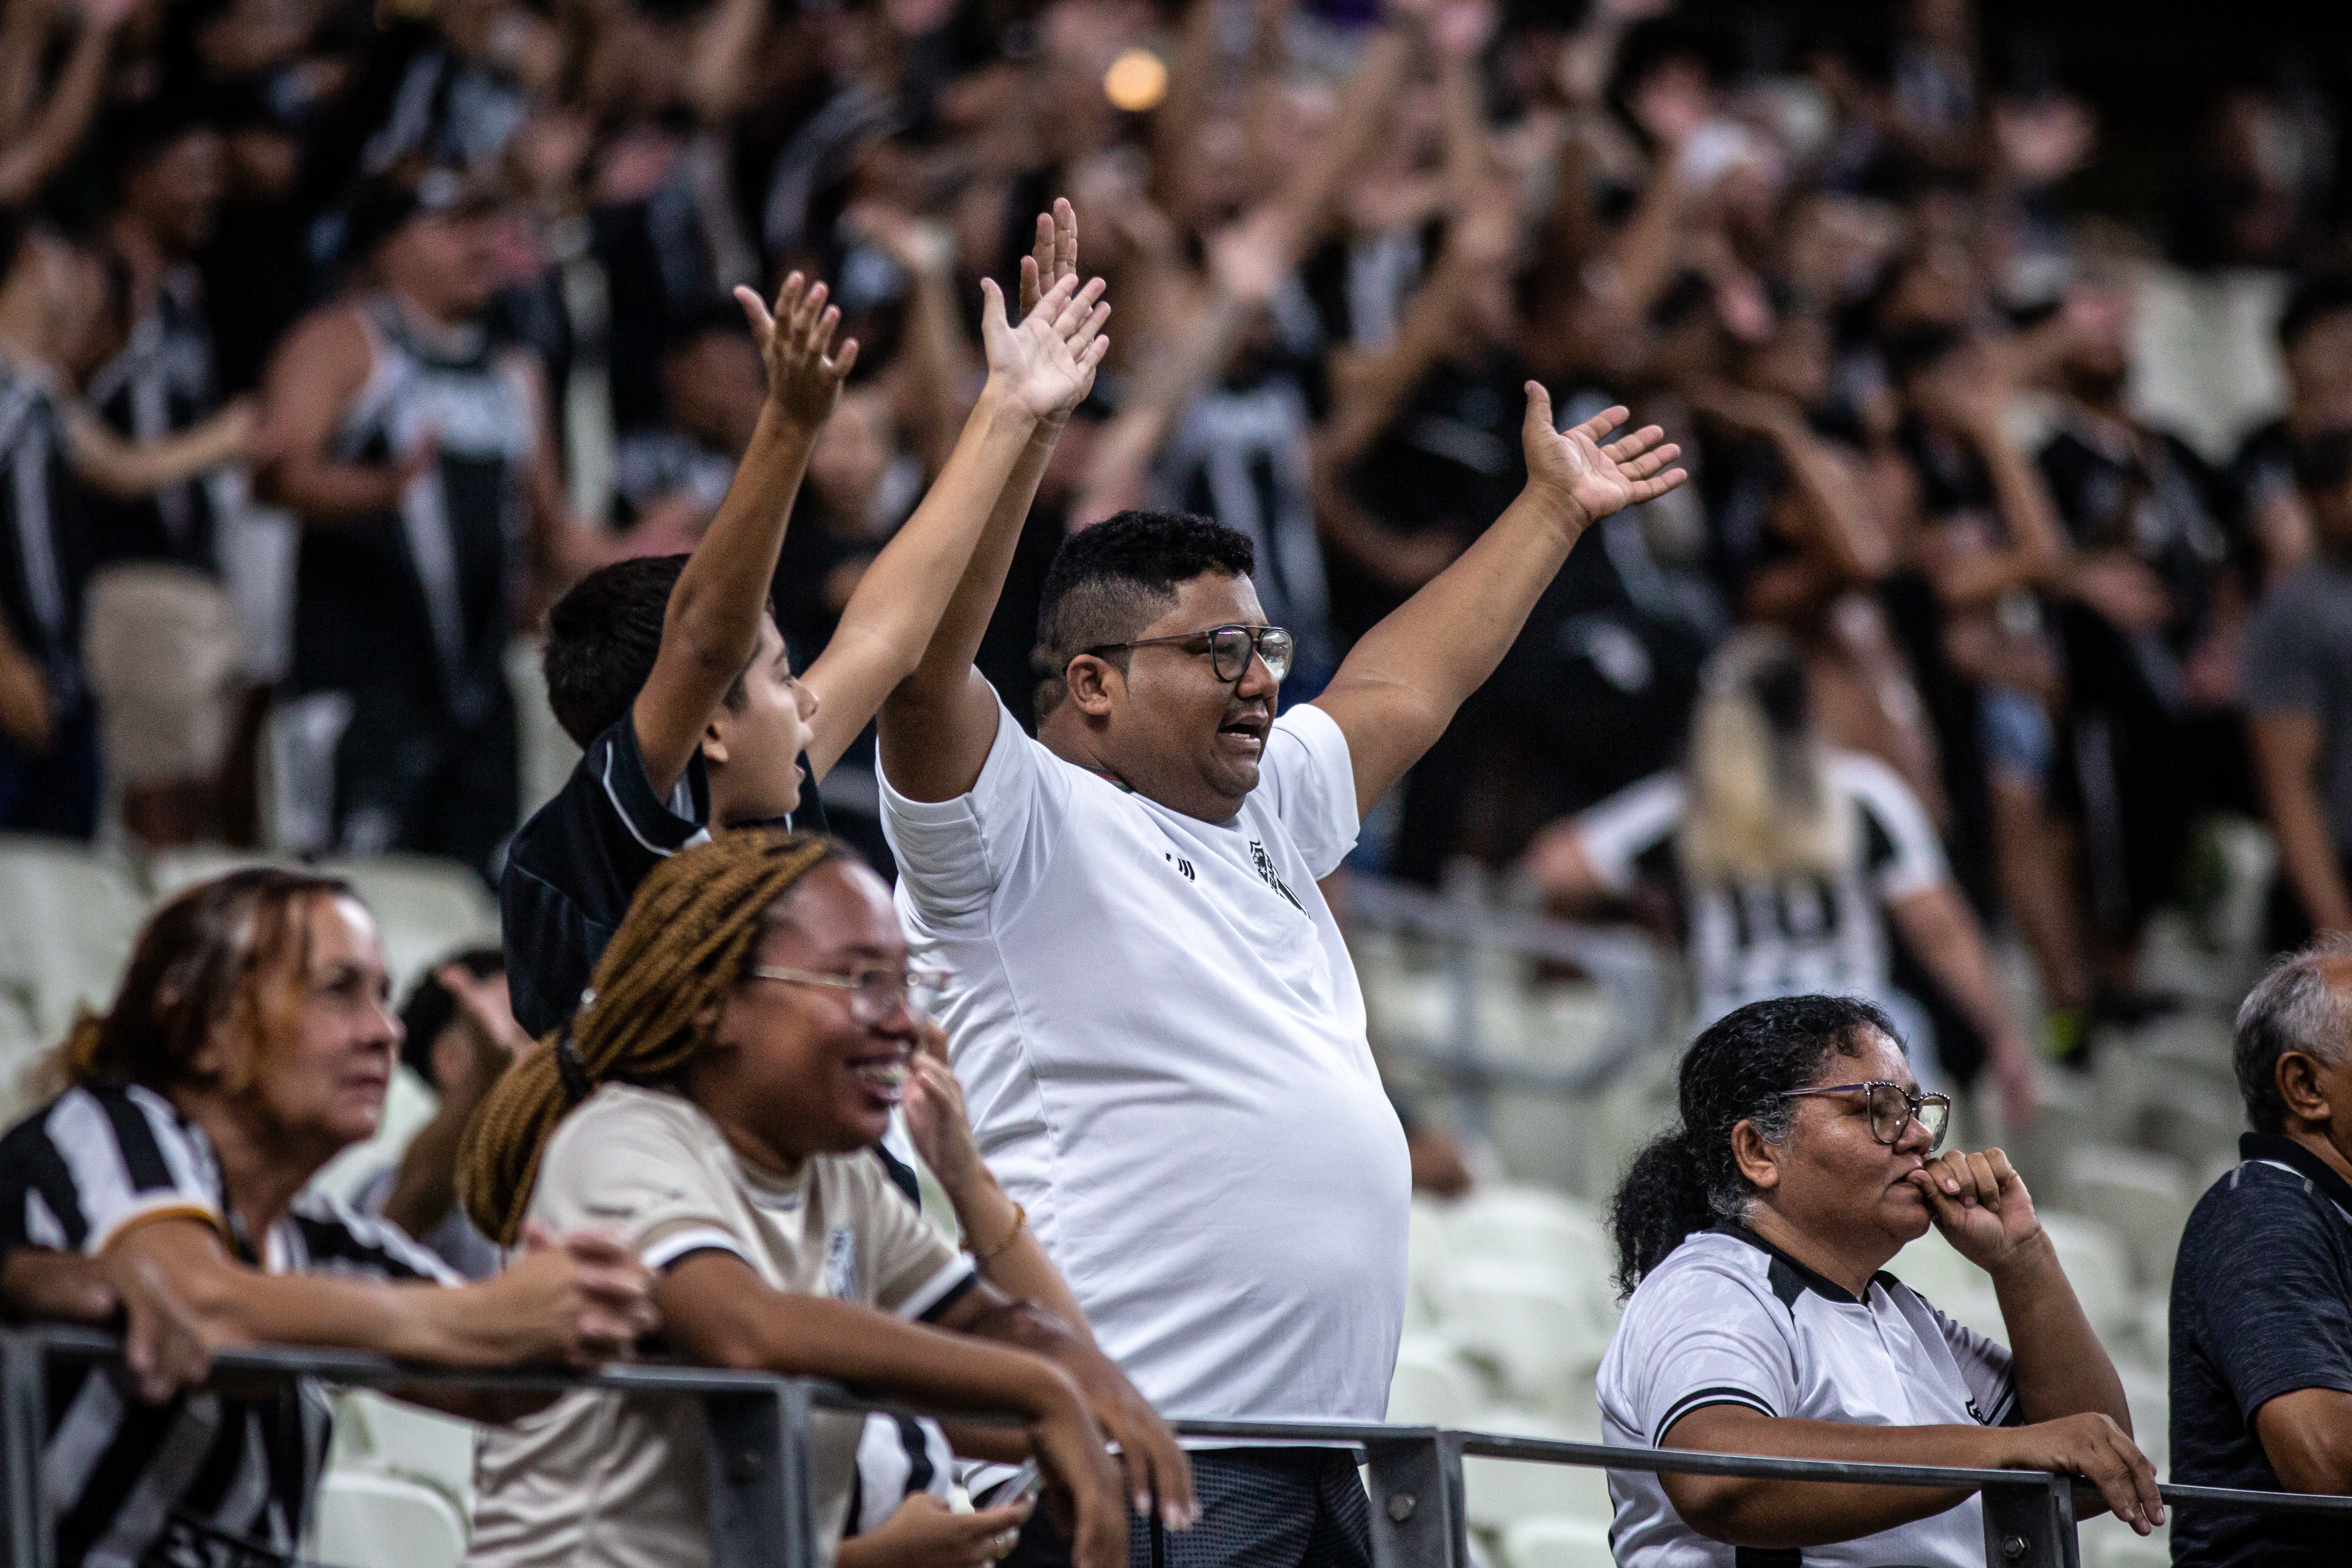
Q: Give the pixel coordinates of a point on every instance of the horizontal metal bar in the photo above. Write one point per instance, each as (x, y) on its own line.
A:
(360, 1369)
(2255, 1503)
(1691, 1462)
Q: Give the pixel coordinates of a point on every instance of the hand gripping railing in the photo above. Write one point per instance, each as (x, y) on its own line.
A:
(762, 1512)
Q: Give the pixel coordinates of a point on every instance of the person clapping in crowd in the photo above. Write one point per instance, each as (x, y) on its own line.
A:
(1754, 1240)
(250, 1044)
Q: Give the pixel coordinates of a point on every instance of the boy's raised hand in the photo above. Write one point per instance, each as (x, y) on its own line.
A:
(1046, 365)
(804, 372)
(1054, 255)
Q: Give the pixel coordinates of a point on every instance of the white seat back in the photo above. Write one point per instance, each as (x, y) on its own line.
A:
(1500, 1493)
(376, 1522)
(1562, 1542)
(1432, 1387)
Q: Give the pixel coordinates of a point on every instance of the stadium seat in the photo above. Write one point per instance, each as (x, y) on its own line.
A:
(382, 1436)
(2107, 1542)
(1562, 1542)
(1531, 1225)
(1931, 1266)
(547, 753)
(2098, 1265)
(1428, 1266)
(1502, 1492)
(1533, 1327)
(2144, 1197)
(2146, 1394)
(377, 1522)
(69, 915)
(2156, 1327)
(21, 1047)
(173, 871)
(426, 906)
(1432, 1386)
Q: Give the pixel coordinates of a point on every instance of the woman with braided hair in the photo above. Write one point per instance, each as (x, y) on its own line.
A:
(250, 1044)
(746, 1036)
(1752, 1239)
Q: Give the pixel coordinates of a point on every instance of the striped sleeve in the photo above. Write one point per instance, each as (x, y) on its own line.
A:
(329, 1236)
(130, 1158)
(1616, 833)
(1904, 854)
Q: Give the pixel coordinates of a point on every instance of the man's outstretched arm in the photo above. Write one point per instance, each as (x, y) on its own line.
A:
(1037, 371)
(939, 723)
(712, 623)
(1396, 692)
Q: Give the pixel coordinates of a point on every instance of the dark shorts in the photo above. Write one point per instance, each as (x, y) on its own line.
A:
(1260, 1507)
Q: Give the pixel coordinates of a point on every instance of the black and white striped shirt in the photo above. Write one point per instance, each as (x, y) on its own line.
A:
(208, 1481)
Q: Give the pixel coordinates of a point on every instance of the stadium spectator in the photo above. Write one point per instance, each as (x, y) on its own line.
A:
(764, 976)
(458, 1035)
(416, 453)
(166, 652)
(672, 674)
(2262, 1293)
(50, 446)
(1753, 1240)
(1136, 831)
(249, 1045)
(2314, 340)
(1790, 858)
(2298, 684)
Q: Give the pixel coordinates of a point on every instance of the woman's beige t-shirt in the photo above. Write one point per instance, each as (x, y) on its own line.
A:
(599, 1481)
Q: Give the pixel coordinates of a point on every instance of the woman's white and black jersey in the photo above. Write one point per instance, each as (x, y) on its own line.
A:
(1787, 936)
(206, 1481)
(1729, 1319)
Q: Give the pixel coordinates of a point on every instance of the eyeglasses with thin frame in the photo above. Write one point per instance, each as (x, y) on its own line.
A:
(1893, 1108)
(1229, 649)
(873, 994)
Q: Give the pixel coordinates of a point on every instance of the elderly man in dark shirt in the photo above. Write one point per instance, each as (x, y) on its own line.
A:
(2261, 1297)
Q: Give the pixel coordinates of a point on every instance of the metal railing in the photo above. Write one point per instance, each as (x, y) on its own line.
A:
(761, 1505)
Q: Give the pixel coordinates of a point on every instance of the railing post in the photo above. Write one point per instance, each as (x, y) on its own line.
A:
(24, 1421)
(1417, 1514)
(2029, 1523)
(762, 1511)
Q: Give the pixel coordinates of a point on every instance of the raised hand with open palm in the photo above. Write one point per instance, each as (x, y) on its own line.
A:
(1592, 479)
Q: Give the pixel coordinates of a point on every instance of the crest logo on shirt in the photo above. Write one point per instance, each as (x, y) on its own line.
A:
(841, 1263)
(1270, 876)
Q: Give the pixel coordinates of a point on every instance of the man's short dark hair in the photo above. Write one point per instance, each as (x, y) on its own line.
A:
(2292, 1008)
(1110, 581)
(432, 1007)
(603, 637)
(2312, 299)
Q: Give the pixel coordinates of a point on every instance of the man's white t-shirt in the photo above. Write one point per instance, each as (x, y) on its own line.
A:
(1729, 1319)
(1161, 1043)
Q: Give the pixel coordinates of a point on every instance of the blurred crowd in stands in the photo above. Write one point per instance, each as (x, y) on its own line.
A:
(335, 341)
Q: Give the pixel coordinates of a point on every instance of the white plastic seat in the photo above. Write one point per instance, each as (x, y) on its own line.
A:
(377, 1522)
(1533, 1326)
(1429, 1267)
(387, 1438)
(1500, 1493)
(426, 907)
(68, 916)
(1531, 1227)
(2148, 1395)
(171, 872)
(1432, 1387)
(2098, 1265)
(1935, 1268)
(1559, 1543)
(2108, 1542)
(2144, 1197)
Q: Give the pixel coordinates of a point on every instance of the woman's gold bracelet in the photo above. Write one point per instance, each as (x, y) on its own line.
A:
(1019, 1218)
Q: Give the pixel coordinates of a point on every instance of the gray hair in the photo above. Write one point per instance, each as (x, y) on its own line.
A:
(2292, 1008)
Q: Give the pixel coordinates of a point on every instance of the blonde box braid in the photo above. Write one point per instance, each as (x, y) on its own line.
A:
(653, 1000)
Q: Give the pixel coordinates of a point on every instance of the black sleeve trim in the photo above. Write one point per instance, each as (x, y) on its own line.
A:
(1699, 1399)
(950, 1296)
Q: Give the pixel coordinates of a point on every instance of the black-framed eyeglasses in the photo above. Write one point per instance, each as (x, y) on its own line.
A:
(1893, 1108)
(873, 994)
(1229, 649)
